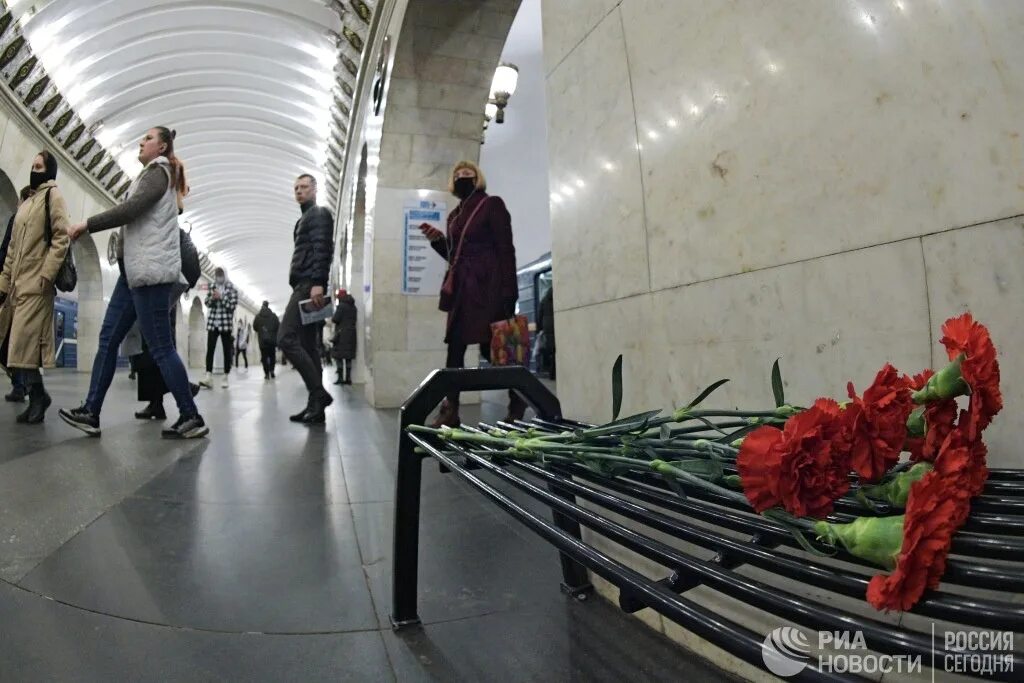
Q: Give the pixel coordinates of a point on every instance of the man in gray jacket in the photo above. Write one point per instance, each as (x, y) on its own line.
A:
(308, 277)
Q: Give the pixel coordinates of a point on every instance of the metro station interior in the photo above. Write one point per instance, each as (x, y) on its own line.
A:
(787, 194)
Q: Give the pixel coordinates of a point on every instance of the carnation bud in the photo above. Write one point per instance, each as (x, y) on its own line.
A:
(897, 489)
(875, 539)
(946, 383)
(916, 425)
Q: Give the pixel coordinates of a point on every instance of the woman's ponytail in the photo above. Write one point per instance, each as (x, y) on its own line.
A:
(178, 179)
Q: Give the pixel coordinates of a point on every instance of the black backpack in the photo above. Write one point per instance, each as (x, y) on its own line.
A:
(67, 276)
(190, 266)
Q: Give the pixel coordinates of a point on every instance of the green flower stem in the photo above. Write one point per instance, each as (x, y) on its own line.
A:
(782, 412)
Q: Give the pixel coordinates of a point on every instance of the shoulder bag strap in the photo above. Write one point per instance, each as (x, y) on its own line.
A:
(48, 222)
(465, 229)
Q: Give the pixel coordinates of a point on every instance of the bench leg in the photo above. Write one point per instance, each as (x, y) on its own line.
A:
(575, 579)
(406, 547)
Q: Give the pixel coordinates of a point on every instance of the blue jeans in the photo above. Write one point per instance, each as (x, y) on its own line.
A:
(151, 306)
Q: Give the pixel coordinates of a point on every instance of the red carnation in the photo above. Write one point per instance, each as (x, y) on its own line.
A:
(800, 467)
(964, 337)
(877, 423)
(939, 419)
(961, 463)
(932, 517)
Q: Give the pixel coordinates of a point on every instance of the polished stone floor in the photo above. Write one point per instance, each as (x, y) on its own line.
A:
(263, 554)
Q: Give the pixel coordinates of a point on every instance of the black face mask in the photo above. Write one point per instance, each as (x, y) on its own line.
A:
(37, 178)
(464, 187)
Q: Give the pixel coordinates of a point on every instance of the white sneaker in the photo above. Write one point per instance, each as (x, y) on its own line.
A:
(225, 383)
(206, 381)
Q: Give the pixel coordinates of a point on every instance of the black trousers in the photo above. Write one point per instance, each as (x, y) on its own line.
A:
(300, 343)
(268, 357)
(245, 356)
(227, 341)
(457, 359)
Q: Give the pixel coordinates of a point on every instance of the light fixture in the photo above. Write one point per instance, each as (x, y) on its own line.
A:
(503, 86)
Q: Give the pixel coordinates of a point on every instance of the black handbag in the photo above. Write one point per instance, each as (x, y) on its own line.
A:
(67, 275)
(190, 265)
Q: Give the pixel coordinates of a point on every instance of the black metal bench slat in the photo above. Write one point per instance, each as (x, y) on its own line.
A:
(559, 486)
(733, 638)
(957, 571)
(971, 611)
(880, 637)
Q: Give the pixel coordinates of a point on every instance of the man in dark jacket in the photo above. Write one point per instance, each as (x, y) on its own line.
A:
(308, 277)
(265, 325)
(18, 390)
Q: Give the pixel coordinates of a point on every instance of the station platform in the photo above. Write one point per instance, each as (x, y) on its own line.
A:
(263, 554)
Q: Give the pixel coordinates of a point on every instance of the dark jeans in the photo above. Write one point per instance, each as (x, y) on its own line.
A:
(245, 356)
(150, 306)
(300, 342)
(226, 341)
(268, 357)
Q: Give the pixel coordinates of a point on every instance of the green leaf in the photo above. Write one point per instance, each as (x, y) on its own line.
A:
(617, 387)
(706, 469)
(707, 392)
(666, 432)
(738, 434)
(780, 393)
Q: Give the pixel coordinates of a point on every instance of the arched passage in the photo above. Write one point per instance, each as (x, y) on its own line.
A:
(433, 116)
(90, 299)
(8, 199)
(196, 335)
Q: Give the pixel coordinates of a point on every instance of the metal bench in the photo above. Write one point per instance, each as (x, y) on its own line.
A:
(988, 553)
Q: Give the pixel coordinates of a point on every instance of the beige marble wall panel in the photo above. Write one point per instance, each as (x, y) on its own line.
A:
(566, 23)
(597, 215)
(774, 132)
(396, 374)
(389, 324)
(979, 270)
(824, 319)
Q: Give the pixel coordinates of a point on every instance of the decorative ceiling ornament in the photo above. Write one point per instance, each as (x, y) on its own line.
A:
(62, 121)
(353, 38)
(85, 149)
(36, 90)
(50, 106)
(362, 10)
(115, 180)
(24, 70)
(95, 159)
(5, 22)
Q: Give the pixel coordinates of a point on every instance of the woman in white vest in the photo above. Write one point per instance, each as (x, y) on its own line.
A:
(151, 253)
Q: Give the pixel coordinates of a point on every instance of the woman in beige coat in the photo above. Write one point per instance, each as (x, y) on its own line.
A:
(26, 285)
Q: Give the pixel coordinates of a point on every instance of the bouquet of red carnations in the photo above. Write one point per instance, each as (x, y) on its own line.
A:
(792, 464)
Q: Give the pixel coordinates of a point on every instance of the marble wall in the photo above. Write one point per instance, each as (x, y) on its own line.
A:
(822, 182)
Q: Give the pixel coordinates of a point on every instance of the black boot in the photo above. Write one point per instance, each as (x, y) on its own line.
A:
(316, 412)
(38, 402)
(17, 395)
(516, 408)
(154, 411)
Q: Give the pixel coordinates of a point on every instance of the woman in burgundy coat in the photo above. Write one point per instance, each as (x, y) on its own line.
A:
(479, 243)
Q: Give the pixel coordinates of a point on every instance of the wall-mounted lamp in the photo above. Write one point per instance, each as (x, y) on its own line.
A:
(506, 77)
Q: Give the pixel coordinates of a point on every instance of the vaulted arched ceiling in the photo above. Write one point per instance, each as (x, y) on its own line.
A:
(259, 91)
